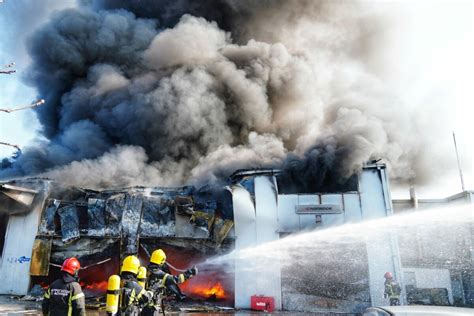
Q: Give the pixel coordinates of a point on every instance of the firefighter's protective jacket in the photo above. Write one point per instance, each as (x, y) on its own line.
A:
(133, 295)
(159, 276)
(64, 297)
(392, 289)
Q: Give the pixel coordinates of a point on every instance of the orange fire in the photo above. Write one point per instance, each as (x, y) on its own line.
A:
(213, 291)
(96, 286)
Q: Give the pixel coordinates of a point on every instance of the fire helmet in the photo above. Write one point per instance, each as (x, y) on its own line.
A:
(71, 266)
(388, 275)
(158, 257)
(130, 264)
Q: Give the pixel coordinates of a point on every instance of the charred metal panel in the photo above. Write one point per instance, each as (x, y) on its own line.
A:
(96, 217)
(131, 217)
(113, 214)
(157, 217)
(196, 226)
(222, 228)
(40, 257)
(47, 227)
(184, 205)
(197, 221)
(69, 223)
(224, 203)
(88, 250)
(186, 229)
(194, 215)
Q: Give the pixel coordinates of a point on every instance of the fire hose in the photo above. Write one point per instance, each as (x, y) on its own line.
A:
(83, 268)
(169, 264)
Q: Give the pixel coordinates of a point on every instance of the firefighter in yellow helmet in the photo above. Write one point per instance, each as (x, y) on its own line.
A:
(161, 280)
(133, 295)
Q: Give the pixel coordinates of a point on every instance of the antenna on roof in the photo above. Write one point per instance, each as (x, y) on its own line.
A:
(7, 69)
(459, 164)
(32, 105)
(11, 145)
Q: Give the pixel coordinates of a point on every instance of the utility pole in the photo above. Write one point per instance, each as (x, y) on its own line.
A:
(459, 164)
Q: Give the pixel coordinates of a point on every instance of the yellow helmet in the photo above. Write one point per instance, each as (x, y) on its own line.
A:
(130, 264)
(158, 257)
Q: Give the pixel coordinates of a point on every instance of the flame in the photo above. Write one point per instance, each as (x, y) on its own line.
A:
(214, 291)
(95, 286)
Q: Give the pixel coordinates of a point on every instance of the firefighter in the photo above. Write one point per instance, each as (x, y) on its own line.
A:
(133, 295)
(392, 289)
(162, 281)
(64, 296)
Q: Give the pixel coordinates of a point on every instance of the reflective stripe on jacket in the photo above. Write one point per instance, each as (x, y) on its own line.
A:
(392, 289)
(133, 296)
(64, 297)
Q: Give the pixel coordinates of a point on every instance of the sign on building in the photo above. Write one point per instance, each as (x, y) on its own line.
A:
(318, 209)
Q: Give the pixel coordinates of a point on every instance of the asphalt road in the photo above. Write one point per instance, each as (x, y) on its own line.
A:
(13, 306)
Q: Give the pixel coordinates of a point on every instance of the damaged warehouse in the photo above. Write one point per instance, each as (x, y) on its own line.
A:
(101, 228)
(48, 222)
(139, 136)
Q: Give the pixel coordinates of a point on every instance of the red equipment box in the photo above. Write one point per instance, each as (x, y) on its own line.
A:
(262, 303)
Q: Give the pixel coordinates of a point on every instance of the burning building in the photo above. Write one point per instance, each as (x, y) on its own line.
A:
(175, 92)
(44, 222)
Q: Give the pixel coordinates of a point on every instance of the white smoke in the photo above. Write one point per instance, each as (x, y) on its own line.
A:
(194, 102)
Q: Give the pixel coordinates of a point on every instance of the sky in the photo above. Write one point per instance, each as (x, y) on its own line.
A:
(425, 58)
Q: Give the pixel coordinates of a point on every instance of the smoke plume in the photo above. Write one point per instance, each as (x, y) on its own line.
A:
(168, 92)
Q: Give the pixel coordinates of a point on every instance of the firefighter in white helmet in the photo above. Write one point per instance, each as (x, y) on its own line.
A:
(160, 280)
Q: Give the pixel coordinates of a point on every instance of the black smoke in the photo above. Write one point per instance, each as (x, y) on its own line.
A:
(166, 92)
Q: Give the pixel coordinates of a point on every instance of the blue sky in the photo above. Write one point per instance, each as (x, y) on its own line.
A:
(426, 57)
(18, 18)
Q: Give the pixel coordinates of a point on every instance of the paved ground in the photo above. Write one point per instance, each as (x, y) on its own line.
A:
(13, 306)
